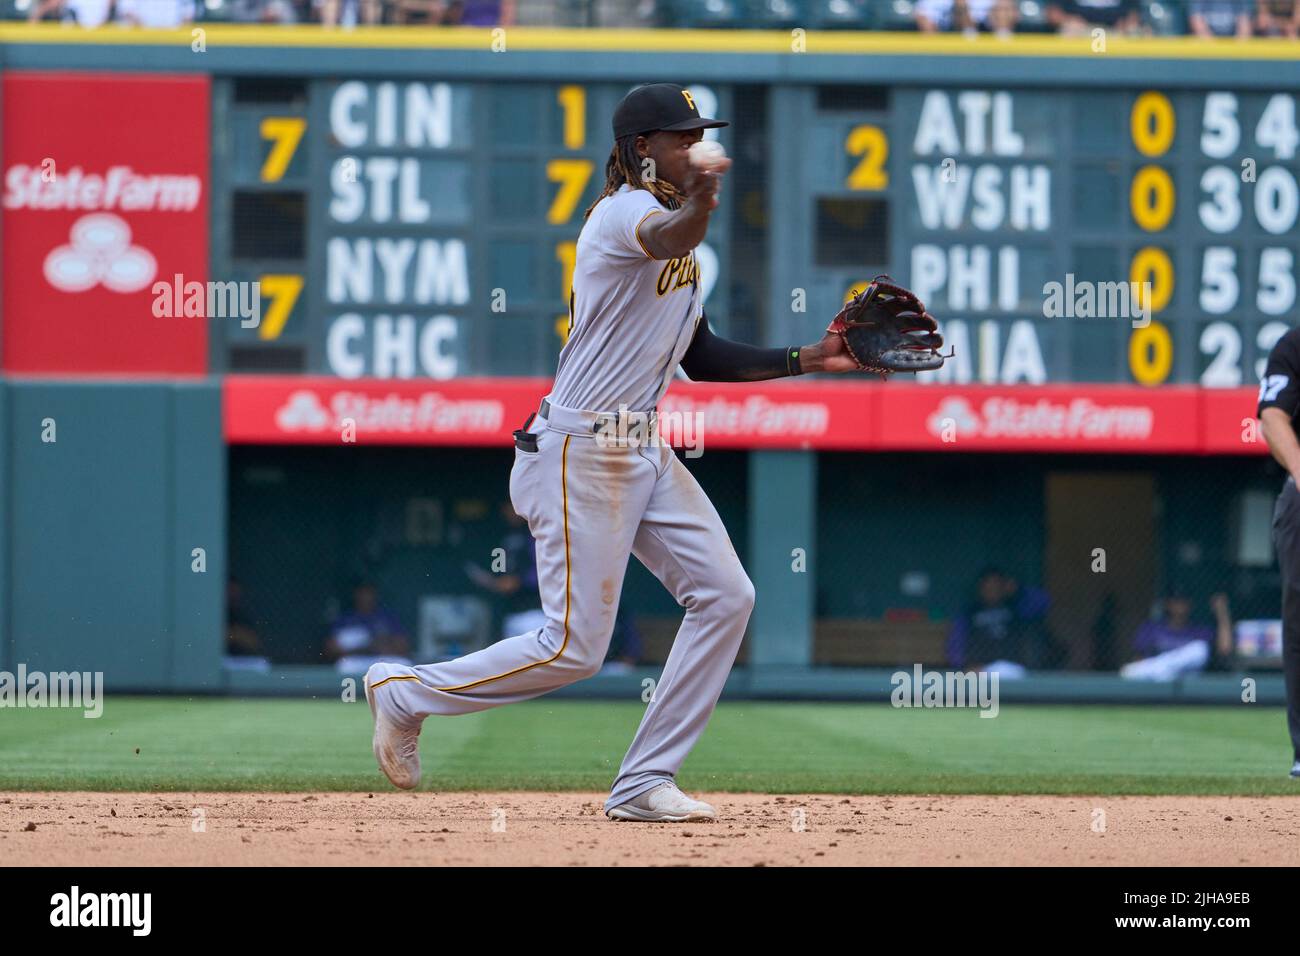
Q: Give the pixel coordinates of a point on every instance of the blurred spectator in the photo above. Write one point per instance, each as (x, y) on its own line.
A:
(243, 646)
(87, 13)
(421, 12)
(241, 635)
(155, 14)
(1077, 17)
(480, 13)
(516, 583)
(631, 14)
(263, 11)
(349, 13)
(967, 16)
(1172, 645)
(1277, 18)
(370, 631)
(516, 586)
(1219, 18)
(1003, 629)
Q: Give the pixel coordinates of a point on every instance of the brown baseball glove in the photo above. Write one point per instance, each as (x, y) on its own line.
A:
(885, 329)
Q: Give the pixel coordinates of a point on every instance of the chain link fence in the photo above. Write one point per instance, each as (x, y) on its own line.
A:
(1076, 563)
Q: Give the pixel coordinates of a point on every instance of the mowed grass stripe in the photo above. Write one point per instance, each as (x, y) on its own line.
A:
(304, 745)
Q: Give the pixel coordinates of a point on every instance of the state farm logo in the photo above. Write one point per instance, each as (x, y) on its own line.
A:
(1003, 417)
(303, 411)
(121, 187)
(954, 413)
(100, 253)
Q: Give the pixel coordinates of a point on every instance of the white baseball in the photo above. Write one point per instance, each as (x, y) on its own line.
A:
(707, 154)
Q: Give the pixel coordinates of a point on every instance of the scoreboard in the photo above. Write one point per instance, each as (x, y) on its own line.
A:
(411, 229)
(425, 229)
(1016, 214)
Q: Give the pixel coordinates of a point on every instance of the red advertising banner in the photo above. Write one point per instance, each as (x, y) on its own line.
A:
(788, 414)
(1228, 423)
(293, 410)
(1060, 418)
(105, 192)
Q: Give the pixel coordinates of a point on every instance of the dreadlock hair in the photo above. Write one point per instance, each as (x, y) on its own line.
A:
(624, 166)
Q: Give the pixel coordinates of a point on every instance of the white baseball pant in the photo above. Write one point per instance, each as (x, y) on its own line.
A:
(590, 503)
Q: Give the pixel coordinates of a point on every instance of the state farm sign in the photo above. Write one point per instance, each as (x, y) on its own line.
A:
(1040, 418)
(274, 409)
(105, 189)
(749, 416)
(1004, 417)
(120, 188)
(845, 414)
(430, 413)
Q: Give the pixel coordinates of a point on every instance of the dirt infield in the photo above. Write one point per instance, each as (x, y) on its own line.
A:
(510, 829)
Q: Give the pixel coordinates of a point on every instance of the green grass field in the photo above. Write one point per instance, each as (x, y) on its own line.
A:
(303, 745)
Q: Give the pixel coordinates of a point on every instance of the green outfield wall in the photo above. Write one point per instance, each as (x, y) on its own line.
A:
(124, 511)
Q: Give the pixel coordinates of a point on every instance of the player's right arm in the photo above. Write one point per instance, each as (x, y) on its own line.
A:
(1279, 398)
(1275, 425)
(674, 234)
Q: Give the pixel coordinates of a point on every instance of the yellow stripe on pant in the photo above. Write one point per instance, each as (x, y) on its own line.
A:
(564, 490)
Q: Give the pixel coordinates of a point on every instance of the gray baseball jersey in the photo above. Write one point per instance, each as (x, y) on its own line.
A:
(590, 503)
(633, 316)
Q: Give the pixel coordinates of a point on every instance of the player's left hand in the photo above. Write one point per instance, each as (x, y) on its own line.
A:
(831, 355)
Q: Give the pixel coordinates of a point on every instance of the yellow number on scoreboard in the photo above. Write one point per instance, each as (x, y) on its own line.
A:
(566, 254)
(573, 103)
(871, 143)
(285, 133)
(1151, 198)
(1150, 354)
(572, 175)
(283, 291)
(1152, 265)
(1152, 124)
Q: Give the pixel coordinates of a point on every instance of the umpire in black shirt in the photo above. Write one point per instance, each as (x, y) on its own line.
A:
(1279, 401)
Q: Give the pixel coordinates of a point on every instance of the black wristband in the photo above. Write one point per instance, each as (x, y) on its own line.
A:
(792, 360)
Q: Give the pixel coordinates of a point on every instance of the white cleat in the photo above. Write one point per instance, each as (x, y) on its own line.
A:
(664, 804)
(396, 743)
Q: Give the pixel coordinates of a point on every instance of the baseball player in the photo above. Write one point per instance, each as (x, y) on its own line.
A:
(1279, 401)
(636, 314)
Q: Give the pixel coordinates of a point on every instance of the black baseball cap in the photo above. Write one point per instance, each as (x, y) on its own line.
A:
(657, 106)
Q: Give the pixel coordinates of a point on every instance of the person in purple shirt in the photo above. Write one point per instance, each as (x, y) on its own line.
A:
(480, 13)
(1172, 645)
(369, 630)
(469, 13)
(1002, 629)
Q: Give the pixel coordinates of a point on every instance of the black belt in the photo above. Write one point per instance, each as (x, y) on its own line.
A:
(603, 419)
